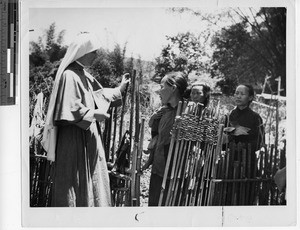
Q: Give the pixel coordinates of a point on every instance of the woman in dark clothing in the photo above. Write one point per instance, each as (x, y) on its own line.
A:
(247, 125)
(246, 129)
(173, 87)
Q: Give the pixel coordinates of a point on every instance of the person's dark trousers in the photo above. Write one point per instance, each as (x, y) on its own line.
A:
(155, 188)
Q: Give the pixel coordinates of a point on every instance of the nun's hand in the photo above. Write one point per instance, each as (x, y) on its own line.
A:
(124, 82)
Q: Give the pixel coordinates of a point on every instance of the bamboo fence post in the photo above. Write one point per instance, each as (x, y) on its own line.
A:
(122, 114)
(231, 172)
(133, 174)
(139, 158)
(248, 174)
(173, 138)
(132, 102)
(208, 173)
(238, 172)
(175, 154)
(107, 135)
(136, 145)
(172, 187)
(180, 173)
(173, 173)
(214, 165)
(243, 193)
(227, 158)
(190, 177)
(272, 161)
(181, 184)
(254, 192)
(114, 133)
(196, 172)
(204, 175)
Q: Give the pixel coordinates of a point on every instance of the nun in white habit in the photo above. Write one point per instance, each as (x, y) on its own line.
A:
(72, 133)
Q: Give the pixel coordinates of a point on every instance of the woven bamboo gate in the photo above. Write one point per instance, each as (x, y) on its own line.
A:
(199, 173)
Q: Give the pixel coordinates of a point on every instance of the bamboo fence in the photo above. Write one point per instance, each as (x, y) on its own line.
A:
(199, 173)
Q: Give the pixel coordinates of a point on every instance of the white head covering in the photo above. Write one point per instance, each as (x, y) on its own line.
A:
(83, 44)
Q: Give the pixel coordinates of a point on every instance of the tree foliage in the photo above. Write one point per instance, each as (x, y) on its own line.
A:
(248, 51)
(249, 45)
(107, 68)
(184, 53)
(50, 49)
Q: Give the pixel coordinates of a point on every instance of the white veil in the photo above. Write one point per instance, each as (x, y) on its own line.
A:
(84, 43)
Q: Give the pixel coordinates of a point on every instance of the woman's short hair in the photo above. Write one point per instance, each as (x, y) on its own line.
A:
(178, 79)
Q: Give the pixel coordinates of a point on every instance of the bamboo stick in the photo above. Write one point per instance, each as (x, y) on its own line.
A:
(190, 176)
(195, 173)
(180, 173)
(175, 154)
(214, 165)
(133, 81)
(122, 114)
(173, 138)
(184, 175)
(203, 176)
(139, 158)
(243, 193)
(177, 145)
(227, 158)
(208, 174)
(171, 199)
(114, 133)
(183, 181)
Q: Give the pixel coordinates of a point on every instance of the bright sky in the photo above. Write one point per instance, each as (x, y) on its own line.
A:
(144, 29)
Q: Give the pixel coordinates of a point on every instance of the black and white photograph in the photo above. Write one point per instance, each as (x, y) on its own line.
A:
(158, 114)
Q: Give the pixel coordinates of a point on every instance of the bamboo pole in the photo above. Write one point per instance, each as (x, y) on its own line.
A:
(214, 165)
(180, 173)
(136, 145)
(227, 158)
(208, 174)
(175, 154)
(114, 133)
(173, 138)
(194, 174)
(139, 158)
(122, 114)
(184, 175)
(243, 193)
(189, 184)
(133, 81)
(173, 172)
(248, 172)
(171, 191)
(204, 176)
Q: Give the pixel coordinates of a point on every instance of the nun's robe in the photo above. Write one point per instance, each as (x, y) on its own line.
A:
(81, 176)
